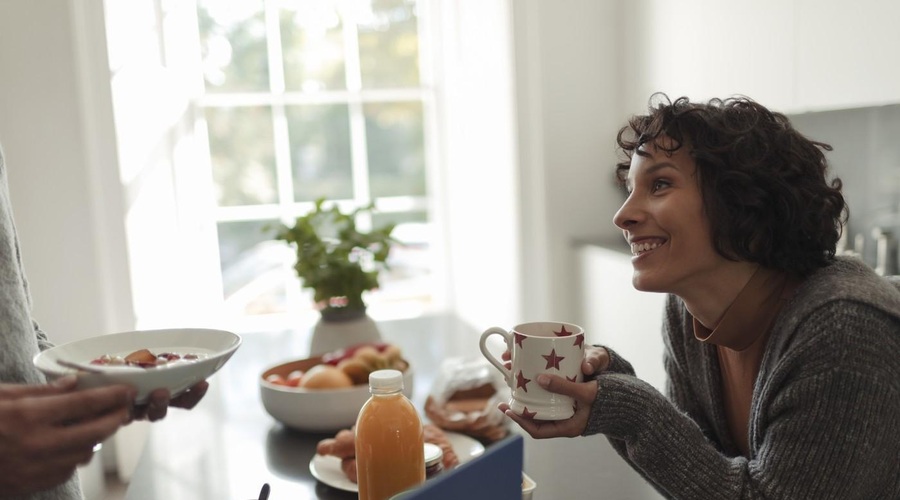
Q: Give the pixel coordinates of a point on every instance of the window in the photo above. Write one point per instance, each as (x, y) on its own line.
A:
(317, 98)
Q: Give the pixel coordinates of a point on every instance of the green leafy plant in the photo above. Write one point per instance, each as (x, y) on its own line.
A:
(336, 260)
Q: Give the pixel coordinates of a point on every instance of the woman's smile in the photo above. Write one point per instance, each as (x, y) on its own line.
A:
(645, 246)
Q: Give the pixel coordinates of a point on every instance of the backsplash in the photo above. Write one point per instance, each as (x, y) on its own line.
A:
(866, 157)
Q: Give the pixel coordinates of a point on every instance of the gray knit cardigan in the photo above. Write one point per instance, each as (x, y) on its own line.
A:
(825, 416)
(20, 337)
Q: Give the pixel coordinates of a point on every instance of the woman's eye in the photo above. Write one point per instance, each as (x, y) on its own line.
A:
(659, 184)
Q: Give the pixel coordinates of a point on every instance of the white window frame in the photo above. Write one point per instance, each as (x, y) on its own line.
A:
(173, 262)
(286, 210)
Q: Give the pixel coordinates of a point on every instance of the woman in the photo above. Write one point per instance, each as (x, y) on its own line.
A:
(783, 361)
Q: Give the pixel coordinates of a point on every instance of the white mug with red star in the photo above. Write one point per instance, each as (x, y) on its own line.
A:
(539, 347)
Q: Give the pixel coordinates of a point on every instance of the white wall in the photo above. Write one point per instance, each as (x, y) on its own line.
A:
(568, 112)
(477, 188)
(532, 109)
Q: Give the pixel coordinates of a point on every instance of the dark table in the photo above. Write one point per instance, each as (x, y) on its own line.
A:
(228, 446)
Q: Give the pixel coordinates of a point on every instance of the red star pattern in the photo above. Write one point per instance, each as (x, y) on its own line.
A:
(521, 381)
(572, 378)
(552, 359)
(528, 414)
(562, 332)
(579, 341)
(519, 338)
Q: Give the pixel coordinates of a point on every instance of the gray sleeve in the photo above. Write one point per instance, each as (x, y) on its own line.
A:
(20, 337)
(617, 364)
(13, 256)
(42, 340)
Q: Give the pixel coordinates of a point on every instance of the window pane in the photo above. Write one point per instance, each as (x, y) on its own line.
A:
(253, 272)
(411, 261)
(400, 218)
(396, 149)
(389, 44)
(313, 47)
(233, 45)
(242, 156)
(320, 151)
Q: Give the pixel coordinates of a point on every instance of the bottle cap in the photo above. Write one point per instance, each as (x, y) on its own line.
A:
(386, 380)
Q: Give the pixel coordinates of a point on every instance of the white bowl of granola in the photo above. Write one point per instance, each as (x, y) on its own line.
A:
(174, 359)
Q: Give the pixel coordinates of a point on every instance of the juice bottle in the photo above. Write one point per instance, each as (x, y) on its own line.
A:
(390, 446)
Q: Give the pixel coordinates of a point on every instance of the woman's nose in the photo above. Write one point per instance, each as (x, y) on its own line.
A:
(627, 215)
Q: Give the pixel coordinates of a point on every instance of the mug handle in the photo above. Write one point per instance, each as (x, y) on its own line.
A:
(507, 336)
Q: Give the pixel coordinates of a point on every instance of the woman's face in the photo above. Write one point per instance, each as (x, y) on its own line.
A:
(664, 221)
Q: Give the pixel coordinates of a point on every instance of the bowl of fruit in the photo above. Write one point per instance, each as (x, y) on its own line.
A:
(325, 393)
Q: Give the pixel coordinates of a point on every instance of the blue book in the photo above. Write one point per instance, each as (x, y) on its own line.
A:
(494, 475)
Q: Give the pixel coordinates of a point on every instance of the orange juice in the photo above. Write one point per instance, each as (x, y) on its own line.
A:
(390, 455)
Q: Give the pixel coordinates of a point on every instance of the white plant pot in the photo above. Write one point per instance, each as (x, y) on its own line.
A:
(328, 335)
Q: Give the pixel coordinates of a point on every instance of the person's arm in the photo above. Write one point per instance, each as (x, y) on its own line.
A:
(828, 427)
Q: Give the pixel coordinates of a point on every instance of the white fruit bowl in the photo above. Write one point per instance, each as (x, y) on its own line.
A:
(315, 410)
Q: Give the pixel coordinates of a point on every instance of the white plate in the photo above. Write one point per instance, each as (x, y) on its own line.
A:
(327, 468)
(216, 346)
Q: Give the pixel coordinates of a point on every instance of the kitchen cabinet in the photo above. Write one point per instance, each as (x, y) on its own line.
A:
(846, 54)
(793, 56)
(709, 48)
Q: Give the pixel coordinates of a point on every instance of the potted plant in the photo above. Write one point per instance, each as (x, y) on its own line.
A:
(339, 263)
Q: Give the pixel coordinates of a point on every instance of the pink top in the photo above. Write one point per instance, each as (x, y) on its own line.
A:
(741, 337)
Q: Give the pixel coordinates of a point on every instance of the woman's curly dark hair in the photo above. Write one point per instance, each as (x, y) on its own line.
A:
(763, 184)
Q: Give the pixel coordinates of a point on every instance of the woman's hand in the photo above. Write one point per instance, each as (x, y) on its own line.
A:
(47, 430)
(596, 360)
(160, 400)
(583, 393)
